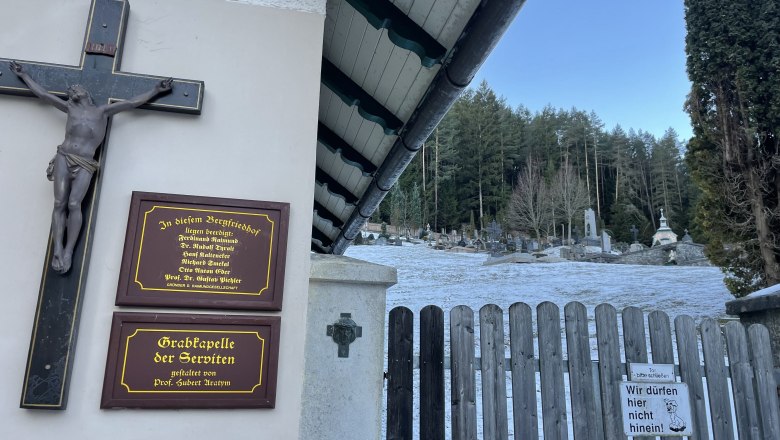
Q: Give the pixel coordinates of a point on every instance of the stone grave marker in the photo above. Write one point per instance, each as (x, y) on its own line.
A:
(590, 224)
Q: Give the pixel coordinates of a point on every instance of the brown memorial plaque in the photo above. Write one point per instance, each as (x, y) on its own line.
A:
(191, 361)
(189, 251)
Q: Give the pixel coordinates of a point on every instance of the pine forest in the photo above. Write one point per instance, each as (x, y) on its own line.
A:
(535, 174)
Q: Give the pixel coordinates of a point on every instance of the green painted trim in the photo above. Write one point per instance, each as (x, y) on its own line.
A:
(325, 214)
(317, 249)
(336, 145)
(403, 32)
(334, 187)
(321, 237)
(353, 95)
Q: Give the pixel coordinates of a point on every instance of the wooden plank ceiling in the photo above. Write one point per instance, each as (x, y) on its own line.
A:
(379, 98)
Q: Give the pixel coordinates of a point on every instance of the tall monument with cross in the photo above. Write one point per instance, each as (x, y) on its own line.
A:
(62, 283)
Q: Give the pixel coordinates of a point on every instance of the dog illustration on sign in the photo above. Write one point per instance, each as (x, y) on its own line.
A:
(676, 423)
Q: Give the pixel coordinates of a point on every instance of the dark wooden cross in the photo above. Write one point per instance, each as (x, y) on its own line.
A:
(634, 232)
(60, 296)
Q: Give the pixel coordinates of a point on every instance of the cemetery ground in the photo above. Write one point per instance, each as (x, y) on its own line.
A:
(448, 279)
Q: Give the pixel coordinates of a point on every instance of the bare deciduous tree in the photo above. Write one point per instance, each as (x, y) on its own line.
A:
(529, 205)
(570, 195)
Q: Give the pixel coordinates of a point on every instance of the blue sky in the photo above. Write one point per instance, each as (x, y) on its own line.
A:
(623, 59)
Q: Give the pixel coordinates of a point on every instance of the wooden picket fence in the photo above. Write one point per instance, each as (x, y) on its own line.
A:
(594, 392)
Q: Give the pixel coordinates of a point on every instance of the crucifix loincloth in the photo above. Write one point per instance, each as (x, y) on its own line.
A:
(75, 162)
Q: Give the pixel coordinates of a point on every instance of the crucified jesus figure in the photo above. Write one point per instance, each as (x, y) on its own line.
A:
(73, 165)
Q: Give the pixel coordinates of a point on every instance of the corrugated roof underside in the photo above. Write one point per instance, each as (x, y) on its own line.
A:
(392, 75)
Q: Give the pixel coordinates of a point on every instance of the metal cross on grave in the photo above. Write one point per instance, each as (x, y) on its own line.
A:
(60, 296)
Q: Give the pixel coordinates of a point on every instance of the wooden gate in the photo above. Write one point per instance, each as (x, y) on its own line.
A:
(747, 383)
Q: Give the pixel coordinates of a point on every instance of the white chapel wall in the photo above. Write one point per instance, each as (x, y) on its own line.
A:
(255, 139)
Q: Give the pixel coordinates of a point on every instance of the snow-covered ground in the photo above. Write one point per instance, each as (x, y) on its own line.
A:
(446, 279)
(427, 276)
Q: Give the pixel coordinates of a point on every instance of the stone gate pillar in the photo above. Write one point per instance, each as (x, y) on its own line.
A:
(344, 351)
(761, 307)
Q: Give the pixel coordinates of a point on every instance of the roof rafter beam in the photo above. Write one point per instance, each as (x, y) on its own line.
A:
(334, 187)
(353, 95)
(348, 154)
(321, 237)
(401, 30)
(478, 39)
(325, 214)
(315, 247)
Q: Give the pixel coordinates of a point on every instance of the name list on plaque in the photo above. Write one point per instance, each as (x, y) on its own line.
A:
(191, 361)
(204, 252)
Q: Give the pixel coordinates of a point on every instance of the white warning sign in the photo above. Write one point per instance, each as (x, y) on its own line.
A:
(651, 372)
(655, 409)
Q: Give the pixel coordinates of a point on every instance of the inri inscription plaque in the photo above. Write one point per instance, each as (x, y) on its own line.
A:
(189, 251)
(191, 361)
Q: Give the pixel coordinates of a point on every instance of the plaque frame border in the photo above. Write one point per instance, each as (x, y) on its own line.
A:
(185, 400)
(125, 290)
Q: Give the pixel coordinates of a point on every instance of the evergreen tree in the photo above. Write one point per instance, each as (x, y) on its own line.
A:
(541, 141)
(733, 50)
(479, 140)
(625, 217)
(445, 168)
(469, 168)
(415, 209)
(616, 163)
(398, 209)
(664, 164)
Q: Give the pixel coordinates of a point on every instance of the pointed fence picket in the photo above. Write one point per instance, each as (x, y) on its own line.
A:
(746, 384)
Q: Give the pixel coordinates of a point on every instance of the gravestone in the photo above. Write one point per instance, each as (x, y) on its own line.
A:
(606, 242)
(636, 247)
(494, 232)
(511, 245)
(590, 224)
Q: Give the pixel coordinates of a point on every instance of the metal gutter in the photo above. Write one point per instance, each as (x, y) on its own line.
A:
(479, 37)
